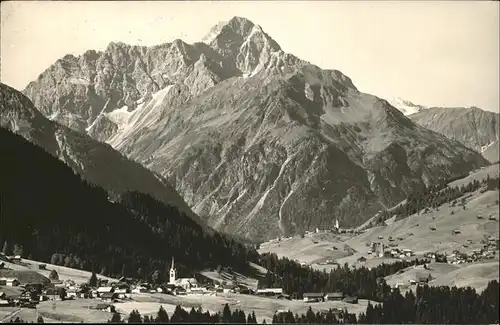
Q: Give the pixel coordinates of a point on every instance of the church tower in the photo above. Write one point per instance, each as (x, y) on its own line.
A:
(173, 274)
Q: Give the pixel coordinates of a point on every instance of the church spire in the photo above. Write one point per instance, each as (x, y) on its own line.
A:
(173, 273)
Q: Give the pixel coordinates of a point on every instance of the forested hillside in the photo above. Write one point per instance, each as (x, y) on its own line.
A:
(54, 214)
(434, 196)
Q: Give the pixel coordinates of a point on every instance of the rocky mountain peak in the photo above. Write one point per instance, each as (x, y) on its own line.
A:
(240, 35)
(237, 25)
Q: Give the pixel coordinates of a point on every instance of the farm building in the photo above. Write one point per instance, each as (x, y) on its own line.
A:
(284, 296)
(15, 258)
(313, 297)
(10, 282)
(408, 252)
(270, 291)
(105, 307)
(102, 290)
(122, 293)
(332, 296)
(140, 289)
(109, 296)
(5, 303)
(227, 288)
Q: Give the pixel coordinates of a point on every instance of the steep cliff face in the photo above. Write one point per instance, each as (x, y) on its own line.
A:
(99, 163)
(257, 141)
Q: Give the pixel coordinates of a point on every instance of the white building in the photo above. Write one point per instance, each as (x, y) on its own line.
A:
(186, 283)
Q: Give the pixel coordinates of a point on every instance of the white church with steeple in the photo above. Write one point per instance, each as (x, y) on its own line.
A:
(173, 273)
(186, 283)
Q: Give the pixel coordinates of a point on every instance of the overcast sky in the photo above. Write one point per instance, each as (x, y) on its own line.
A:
(429, 52)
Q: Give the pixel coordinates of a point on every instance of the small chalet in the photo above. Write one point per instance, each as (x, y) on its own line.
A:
(408, 252)
(282, 311)
(284, 296)
(5, 303)
(10, 282)
(179, 291)
(334, 296)
(105, 289)
(313, 297)
(246, 291)
(3, 296)
(108, 296)
(227, 288)
(2, 265)
(170, 287)
(140, 289)
(106, 307)
(54, 293)
(121, 293)
(42, 266)
(16, 258)
(456, 231)
(351, 299)
(270, 291)
(196, 291)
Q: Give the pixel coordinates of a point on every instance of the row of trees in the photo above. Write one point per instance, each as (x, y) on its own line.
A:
(180, 315)
(297, 279)
(56, 216)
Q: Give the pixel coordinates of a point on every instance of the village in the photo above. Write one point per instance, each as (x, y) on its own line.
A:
(29, 291)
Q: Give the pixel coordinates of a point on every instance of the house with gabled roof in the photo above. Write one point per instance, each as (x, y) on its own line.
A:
(334, 296)
(313, 297)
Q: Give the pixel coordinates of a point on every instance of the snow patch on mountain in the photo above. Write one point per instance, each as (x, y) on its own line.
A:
(406, 107)
(145, 115)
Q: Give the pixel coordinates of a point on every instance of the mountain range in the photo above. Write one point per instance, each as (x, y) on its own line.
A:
(476, 128)
(258, 142)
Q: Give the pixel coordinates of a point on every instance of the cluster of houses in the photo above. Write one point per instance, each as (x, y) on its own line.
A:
(378, 249)
(420, 279)
(333, 296)
(400, 253)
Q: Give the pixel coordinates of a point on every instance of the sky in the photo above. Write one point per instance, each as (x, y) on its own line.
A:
(433, 53)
